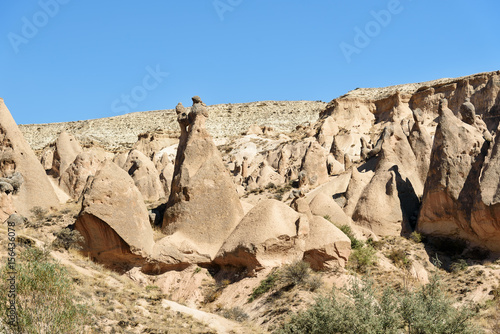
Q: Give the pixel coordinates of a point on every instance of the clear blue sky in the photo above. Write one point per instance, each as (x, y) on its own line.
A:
(66, 60)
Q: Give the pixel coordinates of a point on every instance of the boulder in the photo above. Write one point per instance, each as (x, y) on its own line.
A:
(266, 236)
(17, 156)
(203, 208)
(326, 246)
(114, 220)
(268, 176)
(324, 206)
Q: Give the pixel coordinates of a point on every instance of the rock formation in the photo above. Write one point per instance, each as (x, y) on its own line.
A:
(266, 236)
(272, 234)
(315, 165)
(66, 150)
(114, 220)
(145, 176)
(17, 156)
(461, 191)
(74, 178)
(203, 207)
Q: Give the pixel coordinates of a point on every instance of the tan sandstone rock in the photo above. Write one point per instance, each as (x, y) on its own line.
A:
(449, 190)
(114, 220)
(74, 178)
(266, 236)
(66, 150)
(145, 176)
(17, 156)
(203, 208)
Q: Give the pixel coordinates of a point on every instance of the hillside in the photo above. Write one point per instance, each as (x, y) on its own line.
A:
(226, 120)
(207, 216)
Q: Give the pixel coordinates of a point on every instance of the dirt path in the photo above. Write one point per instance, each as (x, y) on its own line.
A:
(215, 322)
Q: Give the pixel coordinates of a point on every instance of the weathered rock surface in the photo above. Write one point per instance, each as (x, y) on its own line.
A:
(114, 220)
(326, 246)
(203, 207)
(461, 192)
(145, 176)
(66, 150)
(315, 165)
(272, 234)
(17, 156)
(266, 236)
(75, 177)
(150, 143)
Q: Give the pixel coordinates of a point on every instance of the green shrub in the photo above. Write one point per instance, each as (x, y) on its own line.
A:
(215, 290)
(296, 273)
(44, 297)
(68, 239)
(399, 258)
(362, 258)
(39, 213)
(459, 266)
(264, 286)
(359, 310)
(355, 243)
(314, 283)
(235, 313)
(416, 237)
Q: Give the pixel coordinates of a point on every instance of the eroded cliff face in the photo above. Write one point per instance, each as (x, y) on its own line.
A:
(451, 152)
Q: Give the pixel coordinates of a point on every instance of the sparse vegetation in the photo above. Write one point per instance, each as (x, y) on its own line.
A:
(458, 266)
(39, 213)
(235, 313)
(416, 237)
(296, 273)
(355, 243)
(425, 310)
(44, 301)
(264, 286)
(400, 259)
(68, 239)
(362, 258)
(214, 291)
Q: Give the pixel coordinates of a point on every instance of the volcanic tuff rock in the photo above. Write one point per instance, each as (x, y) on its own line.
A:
(203, 208)
(266, 236)
(66, 150)
(145, 175)
(17, 156)
(114, 220)
(75, 177)
(462, 187)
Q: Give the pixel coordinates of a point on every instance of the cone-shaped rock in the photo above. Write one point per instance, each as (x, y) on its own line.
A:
(114, 220)
(203, 207)
(452, 178)
(16, 156)
(67, 148)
